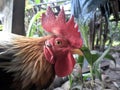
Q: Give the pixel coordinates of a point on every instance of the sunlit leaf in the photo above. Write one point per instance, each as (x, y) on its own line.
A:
(1, 27)
(37, 1)
(87, 76)
(28, 5)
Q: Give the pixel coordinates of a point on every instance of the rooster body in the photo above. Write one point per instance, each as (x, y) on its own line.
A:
(28, 62)
(34, 62)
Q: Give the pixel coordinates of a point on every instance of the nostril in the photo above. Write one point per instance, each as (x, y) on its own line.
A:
(47, 44)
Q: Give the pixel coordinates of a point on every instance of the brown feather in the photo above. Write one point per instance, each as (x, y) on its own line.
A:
(29, 64)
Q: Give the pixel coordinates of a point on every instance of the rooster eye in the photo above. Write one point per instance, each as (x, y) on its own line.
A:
(58, 42)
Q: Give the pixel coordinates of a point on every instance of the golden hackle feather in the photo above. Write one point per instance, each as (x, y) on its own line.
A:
(29, 64)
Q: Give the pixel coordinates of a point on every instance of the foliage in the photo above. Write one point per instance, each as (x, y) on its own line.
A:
(97, 27)
(28, 5)
(84, 32)
(115, 31)
(33, 11)
(37, 1)
(97, 15)
(34, 27)
(94, 59)
(1, 27)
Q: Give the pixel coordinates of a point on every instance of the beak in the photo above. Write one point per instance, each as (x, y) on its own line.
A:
(77, 51)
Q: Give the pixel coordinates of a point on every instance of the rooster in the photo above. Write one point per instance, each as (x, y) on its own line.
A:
(34, 62)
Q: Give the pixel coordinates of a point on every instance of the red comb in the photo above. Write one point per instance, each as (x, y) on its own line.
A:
(58, 26)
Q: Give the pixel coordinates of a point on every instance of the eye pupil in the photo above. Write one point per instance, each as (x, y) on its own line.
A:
(58, 43)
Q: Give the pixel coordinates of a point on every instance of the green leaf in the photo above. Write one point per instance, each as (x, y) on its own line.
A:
(86, 76)
(96, 64)
(70, 80)
(110, 57)
(87, 55)
(84, 31)
(104, 54)
(80, 60)
(95, 57)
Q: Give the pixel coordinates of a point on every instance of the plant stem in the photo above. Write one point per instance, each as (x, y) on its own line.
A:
(70, 80)
(92, 76)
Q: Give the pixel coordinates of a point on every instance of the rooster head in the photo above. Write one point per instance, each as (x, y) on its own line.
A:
(65, 41)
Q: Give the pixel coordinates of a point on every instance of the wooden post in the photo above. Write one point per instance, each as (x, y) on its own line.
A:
(14, 16)
(18, 17)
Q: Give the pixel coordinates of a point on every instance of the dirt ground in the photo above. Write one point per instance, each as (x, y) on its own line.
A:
(112, 74)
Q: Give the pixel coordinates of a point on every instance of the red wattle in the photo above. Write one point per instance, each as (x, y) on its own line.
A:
(64, 66)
